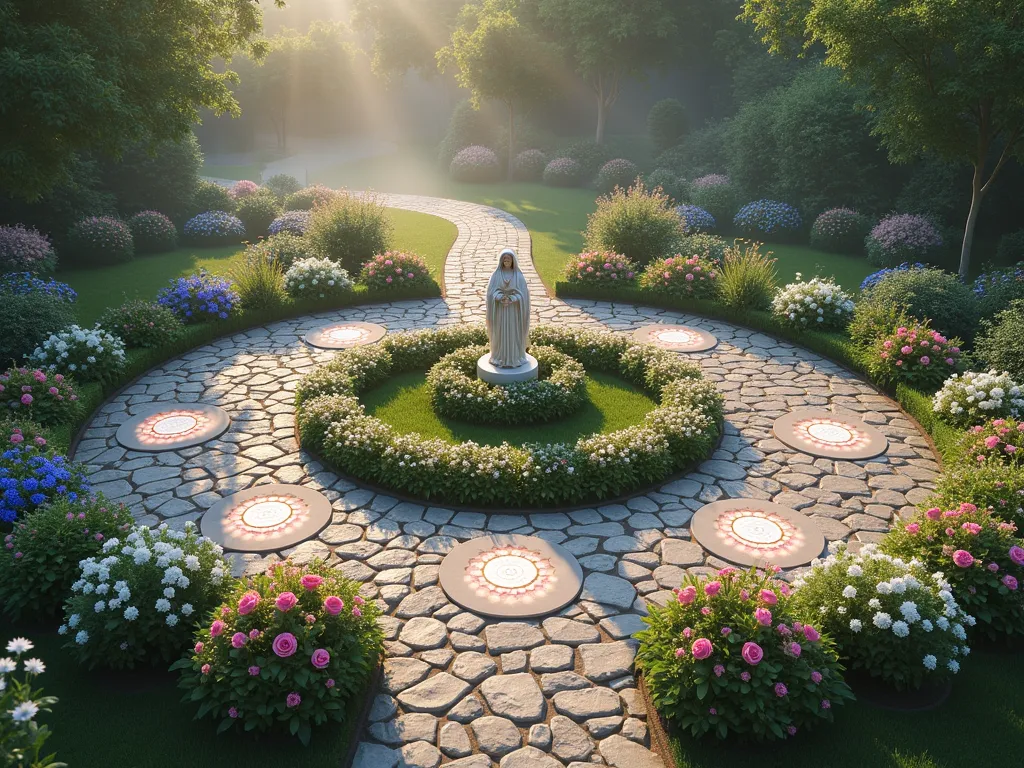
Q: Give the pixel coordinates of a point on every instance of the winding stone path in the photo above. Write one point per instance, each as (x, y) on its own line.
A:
(459, 689)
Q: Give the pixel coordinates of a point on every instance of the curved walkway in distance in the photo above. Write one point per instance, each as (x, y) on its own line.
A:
(460, 689)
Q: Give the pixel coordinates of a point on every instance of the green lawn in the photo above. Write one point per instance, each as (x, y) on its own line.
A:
(404, 403)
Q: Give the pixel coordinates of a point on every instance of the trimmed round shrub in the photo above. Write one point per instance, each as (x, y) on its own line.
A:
(284, 248)
(819, 303)
(875, 278)
(39, 561)
(243, 189)
(600, 268)
(38, 396)
(316, 278)
(997, 288)
(475, 164)
(1000, 341)
(590, 155)
(212, 197)
(635, 222)
(767, 218)
(25, 250)
(142, 324)
(199, 298)
(87, 354)
(666, 124)
(620, 173)
(292, 222)
(695, 219)
(715, 194)
(997, 441)
(350, 229)
(152, 232)
(711, 246)
(282, 185)
(749, 278)
(100, 240)
(529, 165)
(563, 172)
(913, 354)
(395, 269)
(30, 310)
(729, 655)
(1010, 249)
(288, 649)
(682, 276)
(975, 397)
(930, 294)
(257, 212)
(31, 475)
(902, 237)
(840, 230)
(308, 198)
(671, 184)
(214, 228)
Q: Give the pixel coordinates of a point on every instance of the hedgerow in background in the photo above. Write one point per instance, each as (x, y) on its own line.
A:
(39, 561)
(767, 218)
(99, 240)
(258, 279)
(529, 165)
(1000, 340)
(475, 164)
(316, 278)
(199, 298)
(308, 198)
(282, 185)
(40, 396)
(701, 152)
(87, 354)
(30, 310)
(818, 303)
(702, 244)
(997, 441)
(350, 229)
(395, 269)
(211, 197)
(636, 222)
(671, 184)
(31, 475)
(840, 230)
(590, 155)
(243, 189)
(563, 172)
(971, 398)
(152, 232)
(913, 354)
(682, 276)
(25, 250)
(930, 294)
(716, 194)
(159, 176)
(600, 268)
(749, 278)
(257, 211)
(21, 736)
(617, 173)
(141, 323)
(292, 222)
(695, 220)
(902, 237)
(1011, 247)
(214, 228)
(997, 288)
(666, 124)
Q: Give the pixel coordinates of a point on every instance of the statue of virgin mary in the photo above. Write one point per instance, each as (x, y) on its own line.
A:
(508, 312)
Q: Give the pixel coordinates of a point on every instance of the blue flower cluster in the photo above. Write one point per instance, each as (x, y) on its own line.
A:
(696, 219)
(25, 283)
(216, 225)
(767, 217)
(199, 297)
(294, 222)
(30, 477)
(876, 277)
(986, 281)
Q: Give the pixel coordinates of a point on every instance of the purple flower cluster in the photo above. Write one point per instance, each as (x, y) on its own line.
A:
(902, 237)
(617, 173)
(244, 188)
(294, 222)
(696, 219)
(876, 277)
(31, 475)
(997, 278)
(199, 297)
(25, 284)
(840, 229)
(215, 225)
(24, 249)
(563, 172)
(710, 180)
(475, 163)
(767, 217)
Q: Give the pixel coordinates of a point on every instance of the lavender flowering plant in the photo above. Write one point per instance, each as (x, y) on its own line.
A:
(199, 297)
(767, 217)
(902, 237)
(695, 219)
(215, 227)
(25, 249)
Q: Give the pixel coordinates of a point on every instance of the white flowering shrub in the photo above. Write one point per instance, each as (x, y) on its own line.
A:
(973, 398)
(817, 303)
(141, 599)
(86, 354)
(316, 278)
(891, 618)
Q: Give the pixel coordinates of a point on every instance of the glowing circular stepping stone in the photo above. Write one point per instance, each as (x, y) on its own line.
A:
(828, 435)
(677, 338)
(345, 335)
(170, 426)
(756, 532)
(267, 518)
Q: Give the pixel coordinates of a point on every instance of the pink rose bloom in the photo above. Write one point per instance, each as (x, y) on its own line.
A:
(293, 699)
(993, 567)
(687, 632)
(254, 670)
(763, 616)
(1010, 582)
(745, 676)
(726, 631)
(815, 676)
(285, 644)
(689, 277)
(1010, 449)
(1017, 555)
(887, 344)
(925, 360)
(330, 682)
(795, 650)
(781, 690)
(950, 361)
(247, 603)
(311, 581)
(680, 652)
(912, 528)
(712, 587)
(199, 647)
(752, 653)
(811, 633)
(205, 669)
(238, 639)
(744, 595)
(768, 596)
(26, 399)
(356, 612)
(701, 648)
(972, 528)
(991, 442)
(320, 658)
(687, 595)
(906, 350)
(934, 513)
(286, 601)
(963, 558)
(53, 390)
(217, 628)
(334, 605)
(706, 611)
(719, 670)
(950, 531)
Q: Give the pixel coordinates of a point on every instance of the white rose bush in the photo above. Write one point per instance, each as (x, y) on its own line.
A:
(316, 278)
(973, 398)
(85, 354)
(817, 303)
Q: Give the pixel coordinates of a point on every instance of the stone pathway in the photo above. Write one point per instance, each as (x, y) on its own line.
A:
(458, 689)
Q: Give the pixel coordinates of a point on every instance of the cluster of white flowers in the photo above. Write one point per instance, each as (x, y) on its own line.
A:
(316, 278)
(86, 354)
(974, 397)
(819, 303)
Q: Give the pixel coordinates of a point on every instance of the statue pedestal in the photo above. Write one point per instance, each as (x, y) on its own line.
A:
(528, 371)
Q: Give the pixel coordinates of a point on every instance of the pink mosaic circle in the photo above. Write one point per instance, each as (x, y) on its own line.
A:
(677, 338)
(345, 335)
(828, 435)
(171, 426)
(510, 575)
(756, 532)
(267, 518)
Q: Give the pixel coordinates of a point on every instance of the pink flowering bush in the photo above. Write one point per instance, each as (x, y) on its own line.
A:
(395, 269)
(998, 441)
(141, 323)
(988, 484)
(980, 555)
(243, 189)
(42, 396)
(289, 649)
(902, 237)
(914, 354)
(693, 276)
(529, 165)
(152, 232)
(600, 268)
(563, 172)
(99, 240)
(715, 194)
(475, 164)
(840, 230)
(308, 198)
(25, 250)
(729, 655)
(616, 173)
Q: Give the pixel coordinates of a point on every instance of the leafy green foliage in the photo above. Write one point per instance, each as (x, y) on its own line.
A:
(589, 154)
(671, 184)
(666, 124)
(636, 222)
(930, 294)
(99, 240)
(403, 39)
(282, 185)
(703, 151)
(259, 280)
(350, 230)
(163, 176)
(142, 323)
(749, 278)
(211, 197)
(27, 320)
(22, 740)
(1001, 341)
(467, 127)
(257, 211)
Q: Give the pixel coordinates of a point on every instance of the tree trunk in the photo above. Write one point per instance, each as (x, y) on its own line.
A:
(511, 140)
(602, 117)
(977, 193)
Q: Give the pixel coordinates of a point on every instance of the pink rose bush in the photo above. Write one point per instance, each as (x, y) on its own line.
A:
(694, 276)
(767, 677)
(601, 268)
(890, 618)
(997, 441)
(394, 270)
(41, 396)
(914, 354)
(306, 644)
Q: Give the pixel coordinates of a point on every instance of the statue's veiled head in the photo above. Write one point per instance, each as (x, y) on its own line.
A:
(507, 259)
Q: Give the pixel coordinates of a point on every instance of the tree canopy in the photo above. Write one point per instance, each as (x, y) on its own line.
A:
(406, 34)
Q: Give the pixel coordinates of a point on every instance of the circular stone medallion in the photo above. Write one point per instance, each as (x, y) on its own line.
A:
(508, 575)
(675, 338)
(829, 436)
(267, 518)
(755, 532)
(344, 335)
(170, 426)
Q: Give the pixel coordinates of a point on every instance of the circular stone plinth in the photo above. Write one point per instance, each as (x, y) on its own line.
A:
(267, 518)
(170, 426)
(829, 436)
(756, 532)
(492, 374)
(675, 338)
(508, 575)
(345, 335)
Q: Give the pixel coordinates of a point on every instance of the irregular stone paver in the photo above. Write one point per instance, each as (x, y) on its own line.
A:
(640, 547)
(517, 697)
(496, 735)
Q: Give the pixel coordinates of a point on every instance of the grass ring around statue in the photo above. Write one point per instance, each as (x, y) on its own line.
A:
(683, 429)
(456, 392)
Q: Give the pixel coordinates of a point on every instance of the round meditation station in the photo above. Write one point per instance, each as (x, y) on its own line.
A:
(345, 335)
(677, 338)
(170, 426)
(827, 435)
(267, 518)
(492, 374)
(756, 532)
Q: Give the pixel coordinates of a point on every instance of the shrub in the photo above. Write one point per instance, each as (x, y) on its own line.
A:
(214, 228)
(711, 246)
(395, 269)
(563, 172)
(997, 441)
(142, 600)
(152, 232)
(634, 222)
(979, 555)
(902, 237)
(88, 354)
(243, 189)
(39, 562)
(820, 303)
(767, 217)
(701, 152)
(600, 268)
(142, 323)
(672, 185)
(913, 354)
(988, 485)
(350, 230)
(475, 164)
(161, 176)
(468, 126)
(26, 284)
(288, 650)
(999, 343)
(749, 279)
(840, 230)
(617, 173)
(257, 212)
(21, 736)
(28, 314)
(100, 240)
(529, 165)
(891, 619)
(875, 278)
(282, 185)
(996, 288)
(211, 197)
(36, 396)
(930, 294)
(31, 475)
(695, 220)
(974, 397)
(666, 124)
(1010, 248)
(292, 223)
(25, 250)
(199, 297)
(682, 276)
(316, 278)
(285, 248)
(715, 194)
(308, 198)
(729, 656)
(258, 279)
(589, 154)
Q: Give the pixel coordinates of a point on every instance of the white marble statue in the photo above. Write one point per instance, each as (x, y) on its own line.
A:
(508, 312)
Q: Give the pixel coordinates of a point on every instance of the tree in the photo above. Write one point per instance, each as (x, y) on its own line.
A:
(99, 75)
(406, 34)
(942, 76)
(610, 41)
(496, 57)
